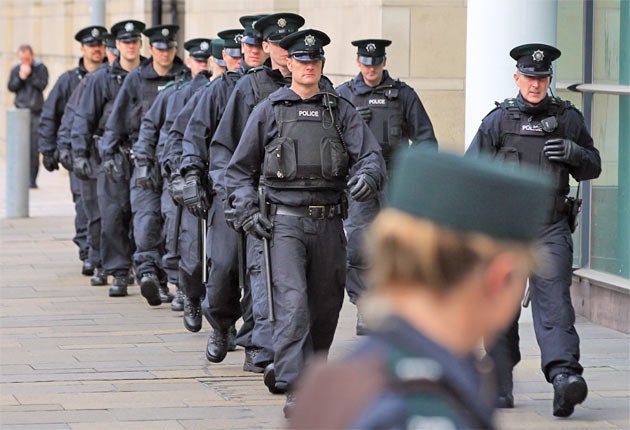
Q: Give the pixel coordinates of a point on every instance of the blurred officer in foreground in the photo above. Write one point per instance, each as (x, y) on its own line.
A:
(53, 149)
(299, 145)
(28, 81)
(448, 269)
(396, 116)
(88, 126)
(134, 99)
(548, 134)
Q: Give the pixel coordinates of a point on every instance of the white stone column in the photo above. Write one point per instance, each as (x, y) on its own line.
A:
(494, 27)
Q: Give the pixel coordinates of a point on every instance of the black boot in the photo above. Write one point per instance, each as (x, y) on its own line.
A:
(177, 305)
(119, 287)
(165, 294)
(361, 328)
(99, 278)
(568, 391)
(231, 338)
(87, 269)
(192, 314)
(250, 357)
(289, 405)
(150, 288)
(270, 380)
(216, 350)
(505, 399)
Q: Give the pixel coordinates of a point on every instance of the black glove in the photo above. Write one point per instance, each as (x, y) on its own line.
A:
(196, 198)
(258, 226)
(563, 151)
(175, 188)
(111, 169)
(147, 178)
(362, 187)
(50, 161)
(81, 167)
(366, 113)
(65, 158)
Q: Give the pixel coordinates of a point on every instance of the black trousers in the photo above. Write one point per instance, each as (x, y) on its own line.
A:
(308, 273)
(89, 198)
(80, 238)
(189, 262)
(223, 304)
(360, 215)
(116, 229)
(147, 229)
(262, 333)
(170, 259)
(552, 310)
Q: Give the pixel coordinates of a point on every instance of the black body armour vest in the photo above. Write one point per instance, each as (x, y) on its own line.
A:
(262, 84)
(113, 83)
(523, 138)
(387, 123)
(308, 153)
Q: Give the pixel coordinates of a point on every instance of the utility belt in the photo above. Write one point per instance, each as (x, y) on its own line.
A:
(312, 212)
(568, 207)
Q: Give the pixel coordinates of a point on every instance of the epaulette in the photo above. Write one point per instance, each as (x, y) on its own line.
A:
(255, 69)
(510, 103)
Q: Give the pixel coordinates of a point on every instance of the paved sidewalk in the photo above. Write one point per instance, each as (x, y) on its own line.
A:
(73, 358)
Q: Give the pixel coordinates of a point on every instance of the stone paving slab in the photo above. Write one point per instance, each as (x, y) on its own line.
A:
(73, 358)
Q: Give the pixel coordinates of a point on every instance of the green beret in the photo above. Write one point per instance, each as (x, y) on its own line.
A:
(471, 195)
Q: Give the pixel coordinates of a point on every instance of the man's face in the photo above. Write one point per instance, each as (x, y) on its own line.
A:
(372, 75)
(253, 55)
(533, 89)
(129, 51)
(93, 54)
(231, 63)
(25, 56)
(305, 72)
(278, 55)
(163, 57)
(196, 66)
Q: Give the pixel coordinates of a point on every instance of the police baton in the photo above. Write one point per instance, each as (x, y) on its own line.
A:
(262, 204)
(242, 259)
(202, 227)
(527, 297)
(178, 223)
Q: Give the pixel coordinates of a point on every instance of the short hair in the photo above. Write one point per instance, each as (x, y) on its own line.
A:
(407, 250)
(25, 47)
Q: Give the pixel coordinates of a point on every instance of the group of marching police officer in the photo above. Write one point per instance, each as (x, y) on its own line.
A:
(244, 180)
(180, 172)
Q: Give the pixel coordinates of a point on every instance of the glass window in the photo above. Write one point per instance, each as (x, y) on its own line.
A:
(610, 228)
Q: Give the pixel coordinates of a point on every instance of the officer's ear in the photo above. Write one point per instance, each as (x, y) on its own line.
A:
(323, 62)
(358, 62)
(265, 47)
(290, 63)
(189, 61)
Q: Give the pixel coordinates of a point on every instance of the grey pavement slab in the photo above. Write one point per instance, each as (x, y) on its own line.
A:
(73, 358)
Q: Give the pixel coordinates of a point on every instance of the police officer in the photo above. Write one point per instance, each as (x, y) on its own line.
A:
(133, 100)
(93, 53)
(396, 116)
(221, 305)
(253, 88)
(299, 144)
(540, 130)
(448, 269)
(200, 113)
(93, 111)
(28, 80)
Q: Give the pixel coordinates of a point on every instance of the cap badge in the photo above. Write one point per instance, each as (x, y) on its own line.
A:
(370, 47)
(204, 46)
(538, 55)
(129, 26)
(238, 38)
(309, 40)
(282, 23)
(95, 32)
(165, 32)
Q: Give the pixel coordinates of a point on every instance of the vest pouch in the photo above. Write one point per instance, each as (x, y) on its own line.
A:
(280, 162)
(508, 156)
(334, 158)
